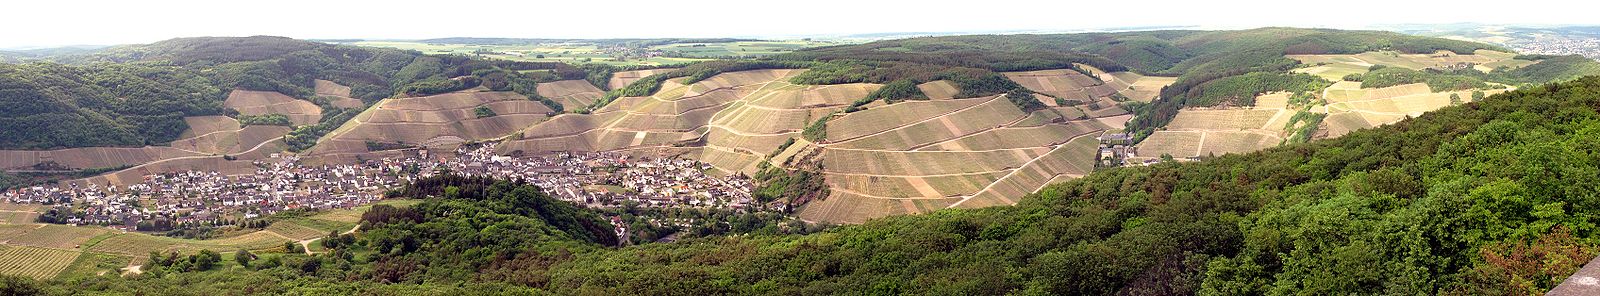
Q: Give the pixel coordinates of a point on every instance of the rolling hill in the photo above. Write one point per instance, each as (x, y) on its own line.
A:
(1445, 203)
(892, 127)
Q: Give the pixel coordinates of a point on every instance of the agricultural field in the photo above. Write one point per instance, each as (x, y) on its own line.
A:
(1072, 160)
(931, 153)
(1352, 107)
(255, 103)
(1132, 85)
(1343, 107)
(560, 52)
(206, 138)
(1065, 84)
(572, 94)
(876, 120)
(1335, 71)
(46, 251)
(738, 49)
(1199, 132)
(139, 244)
(38, 263)
(1174, 143)
(55, 236)
(219, 164)
(18, 214)
(231, 142)
(340, 93)
(918, 156)
(739, 117)
(939, 90)
(1223, 119)
(841, 207)
(1334, 67)
(90, 157)
(439, 121)
(1224, 142)
(295, 231)
(203, 125)
(622, 79)
(353, 215)
(95, 264)
(978, 118)
(582, 52)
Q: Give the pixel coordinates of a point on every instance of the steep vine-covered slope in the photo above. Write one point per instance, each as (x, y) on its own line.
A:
(1490, 197)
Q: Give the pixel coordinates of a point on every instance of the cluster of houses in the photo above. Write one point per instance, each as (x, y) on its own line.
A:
(608, 179)
(284, 183)
(1116, 149)
(1559, 44)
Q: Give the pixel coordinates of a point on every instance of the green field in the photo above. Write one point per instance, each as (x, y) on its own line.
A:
(34, 262)
(60, 251)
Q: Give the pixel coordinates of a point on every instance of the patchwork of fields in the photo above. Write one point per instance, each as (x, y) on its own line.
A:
(1132, 85)
(46, 251)
(583, 52)
(1482, 60)
(737, 119)
(907, 157)
(1351, 107)
(919, 156)
(1343, 107)
(915, 155)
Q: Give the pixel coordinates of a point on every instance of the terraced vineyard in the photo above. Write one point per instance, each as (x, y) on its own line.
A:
(39, 263)
(572, 94)
(296, 231)
(249, 102)
(440, 121)
(902, 158)
(983, 145)
(1343, 107)
(55, 236)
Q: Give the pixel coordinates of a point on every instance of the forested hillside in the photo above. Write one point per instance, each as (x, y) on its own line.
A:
(138, 95)
(1490, 197)
(106, 97)
(1211, 67)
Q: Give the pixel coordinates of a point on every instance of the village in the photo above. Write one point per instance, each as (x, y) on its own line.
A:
(282, 183)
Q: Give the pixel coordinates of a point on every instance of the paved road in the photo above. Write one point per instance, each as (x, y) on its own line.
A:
(1585, 282)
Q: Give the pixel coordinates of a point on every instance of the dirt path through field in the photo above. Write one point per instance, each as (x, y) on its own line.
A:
(922, 187)
(1274, 118)
(991, 185)
(863, 194)
(949, 125)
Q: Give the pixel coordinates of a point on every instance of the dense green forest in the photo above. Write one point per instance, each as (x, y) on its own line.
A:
(1490, 197)
(48, 105)
(1242, 90)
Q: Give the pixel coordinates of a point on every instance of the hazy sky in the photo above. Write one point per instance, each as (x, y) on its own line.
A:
(69, 22)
